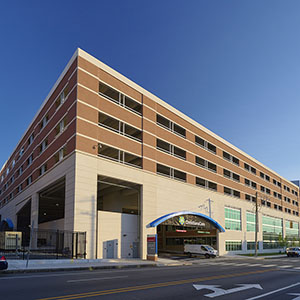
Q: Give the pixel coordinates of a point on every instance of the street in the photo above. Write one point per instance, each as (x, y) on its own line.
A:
(204, 279)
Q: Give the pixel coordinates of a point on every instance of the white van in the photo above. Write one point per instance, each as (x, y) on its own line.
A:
(206, 250)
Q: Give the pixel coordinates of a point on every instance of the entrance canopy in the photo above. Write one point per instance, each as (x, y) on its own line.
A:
(175, 214)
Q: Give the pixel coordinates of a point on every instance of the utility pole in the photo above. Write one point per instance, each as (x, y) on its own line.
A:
(209, 207)
(256, 222)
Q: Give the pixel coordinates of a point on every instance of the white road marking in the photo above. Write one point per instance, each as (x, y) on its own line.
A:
(220, 292)
(267, 266)
(298, 268)
(273, 292)
(99, 278)
(287, 266)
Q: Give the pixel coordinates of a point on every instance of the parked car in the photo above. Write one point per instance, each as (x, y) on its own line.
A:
(295, 251)
(3, 263)
(206, 250)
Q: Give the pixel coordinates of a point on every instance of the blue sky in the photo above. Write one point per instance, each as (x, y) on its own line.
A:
(233, 66)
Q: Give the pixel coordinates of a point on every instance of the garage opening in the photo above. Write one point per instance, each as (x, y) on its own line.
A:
(118, 207)
(177, 229)
(52, 206)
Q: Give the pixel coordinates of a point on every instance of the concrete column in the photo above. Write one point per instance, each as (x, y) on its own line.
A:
(34, 220)
(35, 210)
(85, 204)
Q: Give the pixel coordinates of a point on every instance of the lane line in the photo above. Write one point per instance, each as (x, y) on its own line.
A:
(268, 266)
(78, 272)
(273, 292)
(92, 279)
(287, 266)
(154, 285)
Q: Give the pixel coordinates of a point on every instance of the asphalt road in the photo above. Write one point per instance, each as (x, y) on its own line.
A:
(203, 279)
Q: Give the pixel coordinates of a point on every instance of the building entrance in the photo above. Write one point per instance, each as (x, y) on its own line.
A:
(175, 230)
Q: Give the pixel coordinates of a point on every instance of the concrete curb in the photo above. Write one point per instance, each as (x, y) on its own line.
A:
(79, 268)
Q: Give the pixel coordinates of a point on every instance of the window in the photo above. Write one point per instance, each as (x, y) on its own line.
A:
(21, 152)
(267, 178)
(211, 147)
(29, 180)
(272, 229)
(204, 144)
(132, 105)
(250, 221)
(171, 149)
(226, 173)
(232, 192)
(43, 169)
(233, 245)
(173, 127)
(132, 132)
(61, 126)
(109, 92)
(60, 154)
(31, 138)
(199, 141)
(250, 198)
(119, 98)
(232, 218)
(170, 172)
(120, 127)
(44, 122)
(163, 170)
(275, 182)
(119, 156)
(231, 158)
(20, 171)
(205, 164)
(249, 168)
(231, 175)
(43, 145)
(30, 160)
(206, 184)
(251, 245)
(19, 188)
(61, 98)
(250, 183)
(163, 121)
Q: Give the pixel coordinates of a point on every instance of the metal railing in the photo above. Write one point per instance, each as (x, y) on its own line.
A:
(43, 244)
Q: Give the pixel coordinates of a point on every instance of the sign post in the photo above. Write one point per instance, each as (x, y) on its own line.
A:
(152, 247)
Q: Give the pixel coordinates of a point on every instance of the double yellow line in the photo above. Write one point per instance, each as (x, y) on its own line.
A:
(151, 286)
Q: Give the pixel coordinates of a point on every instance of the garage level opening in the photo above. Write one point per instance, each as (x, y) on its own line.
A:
(52, 206)
(118, 207)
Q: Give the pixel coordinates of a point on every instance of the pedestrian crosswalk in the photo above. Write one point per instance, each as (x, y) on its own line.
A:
(230, 263)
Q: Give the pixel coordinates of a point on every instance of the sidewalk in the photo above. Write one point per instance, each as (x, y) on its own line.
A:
(52, 265)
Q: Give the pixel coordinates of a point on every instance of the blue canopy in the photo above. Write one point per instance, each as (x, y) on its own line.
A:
(179, 213)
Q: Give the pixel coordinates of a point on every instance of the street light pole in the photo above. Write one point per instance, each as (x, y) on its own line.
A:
(256, 222)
